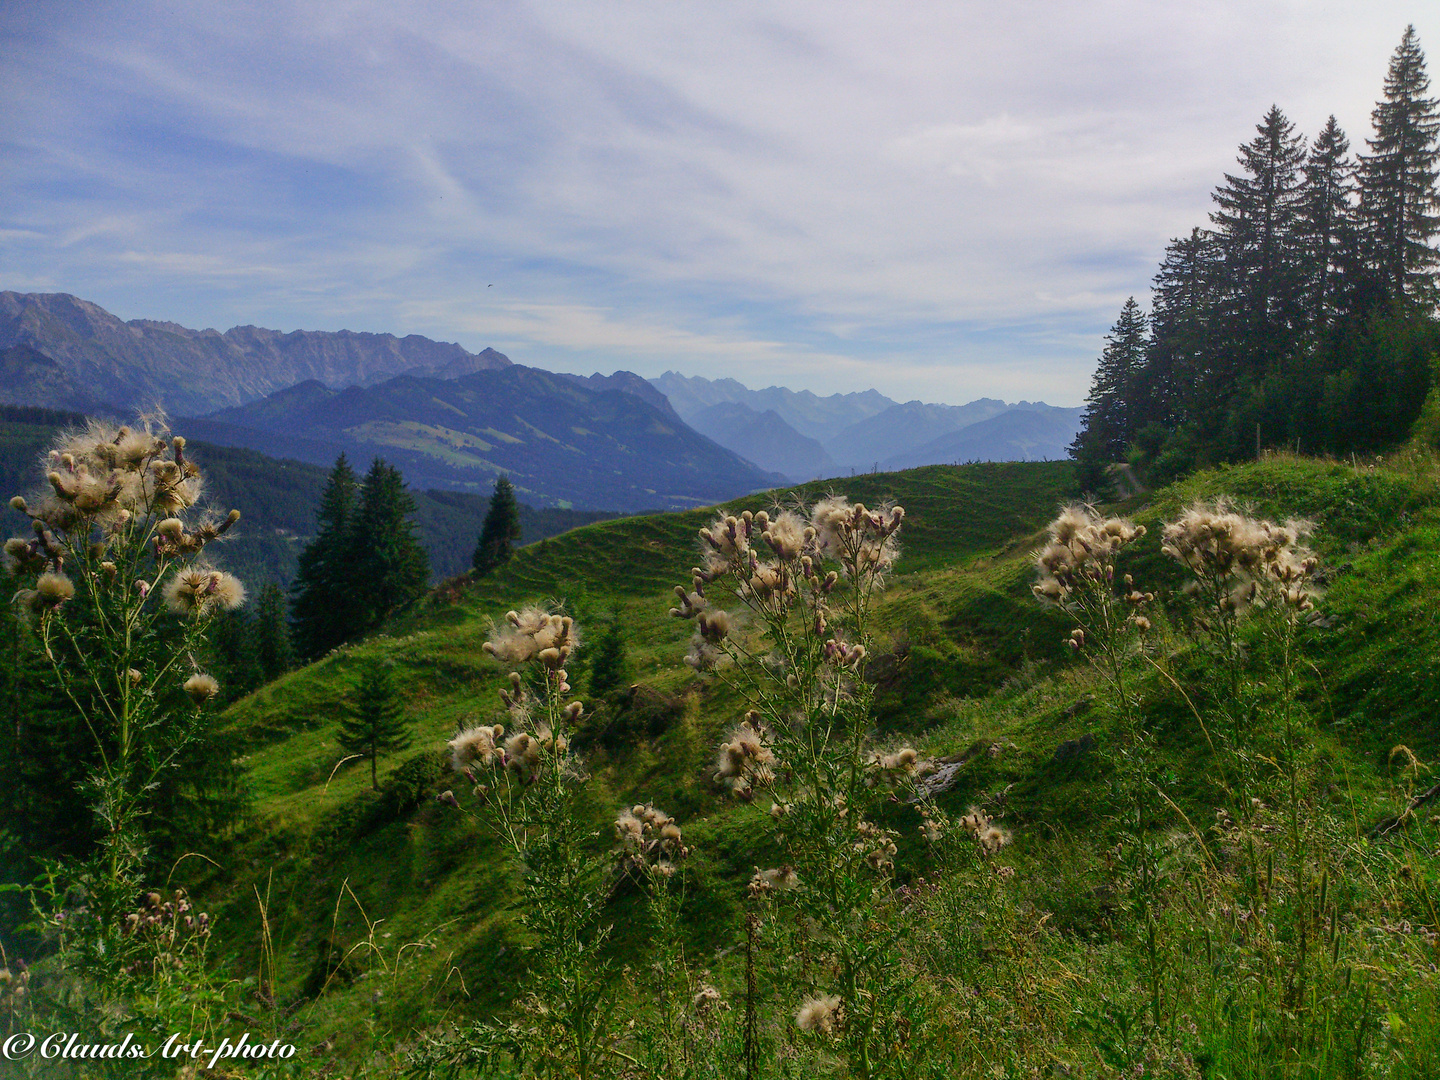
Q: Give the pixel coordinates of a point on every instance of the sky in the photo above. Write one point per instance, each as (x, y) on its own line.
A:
(942, 201)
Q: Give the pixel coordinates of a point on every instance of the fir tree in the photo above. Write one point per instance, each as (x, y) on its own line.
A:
(1109, 420)
(501, 531)
(1398, 204)
(610, 664)
(272, 633)
(373, 724)
(1258, 232)
(1182, 319)
(1330, 237)
(319, 601)
(386, 566)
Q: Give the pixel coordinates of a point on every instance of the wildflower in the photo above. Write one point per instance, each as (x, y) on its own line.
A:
(843, 653)
(904, 762)
(522, 754)
(706, 997)
(780, 879)
(715, 626)
(702, 655)
(53, 589)
(1082, 548)
(818, 1014)
(527, 634)
(201, 687)
(648, 837)
(728, 536)
(202, 590)
(742, 756)
(992, 840)
(788, 535)
(476, 746)
(863, 540)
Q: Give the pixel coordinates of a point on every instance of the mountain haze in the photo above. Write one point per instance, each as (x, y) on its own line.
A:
(1034, 433)
(764, 438)
(901, 428)
(818, 417)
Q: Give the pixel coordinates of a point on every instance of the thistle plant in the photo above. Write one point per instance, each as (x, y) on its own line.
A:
(117, 588)
(529, 785)
(1077, 573)
(1241, 566)
(782, 606)
(1252, 570)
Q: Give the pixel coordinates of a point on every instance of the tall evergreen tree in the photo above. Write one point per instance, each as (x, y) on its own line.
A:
(386, 566)
(501, 531)
(272, 633)
(319, 607)
(1258, 231)
(373, 722)
(1182, 318)
(1330, 237)
(1398, 202)
(1108, 424)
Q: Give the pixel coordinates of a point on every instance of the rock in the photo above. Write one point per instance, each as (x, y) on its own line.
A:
(1072, 749)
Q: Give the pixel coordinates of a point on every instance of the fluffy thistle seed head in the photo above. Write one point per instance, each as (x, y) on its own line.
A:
(53, 589)
(201, 687)
(202, 590)
(819, 1014)
(475, 746)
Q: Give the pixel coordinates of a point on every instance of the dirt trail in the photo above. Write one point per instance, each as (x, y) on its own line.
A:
(1127, 484)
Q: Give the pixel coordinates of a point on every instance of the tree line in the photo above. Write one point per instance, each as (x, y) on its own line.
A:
(1301, 317)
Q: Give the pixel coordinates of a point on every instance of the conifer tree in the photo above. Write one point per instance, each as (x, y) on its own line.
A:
(272, 633)
(1398, 204)
(1330, 238)
(373, 724)
(1257, 227)
(318, 604)
(501, 531)
(610, 666)
(386, 566)
(1182, 319)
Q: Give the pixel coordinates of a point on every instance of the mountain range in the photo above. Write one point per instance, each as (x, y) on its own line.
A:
(562, 442)
(61, 352)
(452, 419)
(804, 436)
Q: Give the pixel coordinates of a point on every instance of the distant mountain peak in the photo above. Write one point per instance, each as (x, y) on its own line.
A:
(120, 365)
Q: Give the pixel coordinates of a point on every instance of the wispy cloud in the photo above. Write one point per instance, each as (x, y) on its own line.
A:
(935, 199)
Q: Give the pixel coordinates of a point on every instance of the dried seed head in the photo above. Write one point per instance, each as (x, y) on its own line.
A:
(201, 687)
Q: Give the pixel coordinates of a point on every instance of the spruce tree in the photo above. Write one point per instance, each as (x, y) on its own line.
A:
(272, 633)
(386, 566)
(501, 531)
(1109, 415)
(373, 723)
(1330, 238)
(610, 665)
(1258, 231)
(1182, 329)
(1398, 204)
(319, 601)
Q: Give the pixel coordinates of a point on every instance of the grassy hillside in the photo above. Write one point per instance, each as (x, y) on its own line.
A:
(972, 668)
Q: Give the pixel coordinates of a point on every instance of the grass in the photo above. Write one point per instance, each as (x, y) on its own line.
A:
(971, 663)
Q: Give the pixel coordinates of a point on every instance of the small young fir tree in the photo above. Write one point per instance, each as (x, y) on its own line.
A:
(374, 722)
